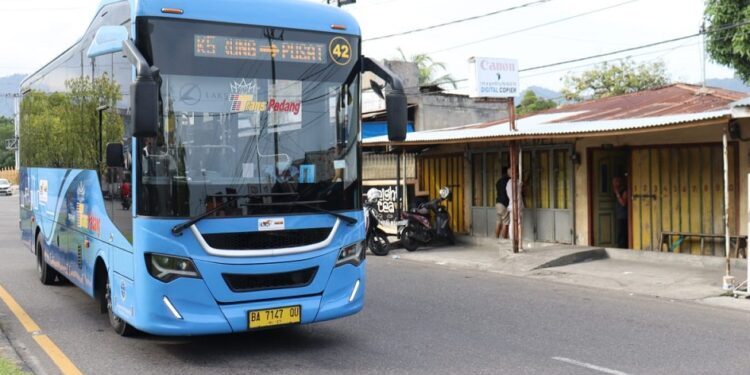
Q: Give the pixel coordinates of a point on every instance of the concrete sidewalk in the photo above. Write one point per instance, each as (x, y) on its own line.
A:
(663, 275)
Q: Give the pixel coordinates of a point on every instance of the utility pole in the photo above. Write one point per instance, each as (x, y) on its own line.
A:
(703, 54)
(514, 178)
(100, 109)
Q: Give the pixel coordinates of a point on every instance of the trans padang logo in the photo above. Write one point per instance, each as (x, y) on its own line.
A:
(243, 96)
(245, 103)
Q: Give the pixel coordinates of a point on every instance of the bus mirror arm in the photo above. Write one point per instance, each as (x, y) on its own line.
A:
(144, 93)
(142, 69)
(395, 99)
(384, 73)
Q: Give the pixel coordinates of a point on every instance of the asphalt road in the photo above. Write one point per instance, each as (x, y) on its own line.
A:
(418, 319)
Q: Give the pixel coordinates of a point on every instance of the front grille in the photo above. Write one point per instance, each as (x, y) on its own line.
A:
(254, 283)
(267, 240)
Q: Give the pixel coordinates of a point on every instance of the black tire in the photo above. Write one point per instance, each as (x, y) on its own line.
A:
(407, 239)
(47, 274)
(121, 327)
(378, 243)
(450, 237)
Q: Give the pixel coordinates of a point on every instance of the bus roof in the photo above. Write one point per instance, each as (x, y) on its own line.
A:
(296, 14)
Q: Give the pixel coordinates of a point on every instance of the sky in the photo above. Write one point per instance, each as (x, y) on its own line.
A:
(35, 31)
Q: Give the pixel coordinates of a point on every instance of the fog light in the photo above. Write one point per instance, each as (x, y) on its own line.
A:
(171, 308)
(354, 292)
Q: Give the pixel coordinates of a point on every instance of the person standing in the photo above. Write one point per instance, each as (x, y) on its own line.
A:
(621, 211)
(501, 205)
(509, 192)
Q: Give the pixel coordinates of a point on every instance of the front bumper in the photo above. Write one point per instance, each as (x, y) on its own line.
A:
(201, 314)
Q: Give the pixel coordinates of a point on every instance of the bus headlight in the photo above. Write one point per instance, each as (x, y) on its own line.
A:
(353, 254)
(168, 267)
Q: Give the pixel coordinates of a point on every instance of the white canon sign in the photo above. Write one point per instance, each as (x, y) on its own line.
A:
(493, 78)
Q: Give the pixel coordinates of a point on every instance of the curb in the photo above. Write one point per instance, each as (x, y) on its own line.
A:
(703, 261)
(8, 352)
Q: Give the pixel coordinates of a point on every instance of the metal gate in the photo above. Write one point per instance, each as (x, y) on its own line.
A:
(548, 182)
(681, 189)
(445, 170)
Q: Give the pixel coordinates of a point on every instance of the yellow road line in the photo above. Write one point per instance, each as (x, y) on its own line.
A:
(53, 351)
(61, 360)
(18, 311)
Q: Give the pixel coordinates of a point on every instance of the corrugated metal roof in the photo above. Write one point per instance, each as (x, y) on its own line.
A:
(670, 105)
(549, 125)
(742, 103)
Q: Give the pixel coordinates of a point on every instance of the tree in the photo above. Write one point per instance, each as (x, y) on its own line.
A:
(428, 68)
(532, 103)
(7, 131)
(62, 129)
(606, 80)
(728, 34)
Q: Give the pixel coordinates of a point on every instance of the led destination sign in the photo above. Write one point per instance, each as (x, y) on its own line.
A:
(259, 49)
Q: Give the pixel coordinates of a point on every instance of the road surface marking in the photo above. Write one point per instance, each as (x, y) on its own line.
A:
(53, 351)
(589, 366)
(18, 311)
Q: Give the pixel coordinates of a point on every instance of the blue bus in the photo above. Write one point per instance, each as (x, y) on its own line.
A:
(195, 166)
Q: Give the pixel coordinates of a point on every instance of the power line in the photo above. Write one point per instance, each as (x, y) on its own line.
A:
(525, 5)
(610, 53)
(642, 46)
(532, 27)
(608, 60)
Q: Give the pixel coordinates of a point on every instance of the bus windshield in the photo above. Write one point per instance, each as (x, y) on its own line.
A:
(249, 111)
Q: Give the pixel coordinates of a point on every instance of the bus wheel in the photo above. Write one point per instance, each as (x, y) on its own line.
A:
(47, 274)
(120, 326)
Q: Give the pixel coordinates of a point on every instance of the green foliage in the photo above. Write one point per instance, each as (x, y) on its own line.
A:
(606, 80)
(7, 158)
(61, 130)
(9, 368)
(532, 103)
(428, 68)
(727, 35)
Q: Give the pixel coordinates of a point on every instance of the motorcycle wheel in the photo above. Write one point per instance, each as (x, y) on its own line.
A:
(450, 237)
(407, 239)
(378, 243)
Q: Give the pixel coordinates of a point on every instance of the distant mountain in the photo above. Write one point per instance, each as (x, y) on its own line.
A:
(734, 84)
(543, 92)
(9, 85)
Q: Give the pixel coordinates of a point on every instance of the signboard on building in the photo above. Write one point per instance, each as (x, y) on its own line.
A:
(390, 197)
(493, 78)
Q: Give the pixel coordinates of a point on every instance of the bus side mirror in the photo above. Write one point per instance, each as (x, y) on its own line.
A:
(115, 155)
(395, 99)
(144, 102)
(397, 115)
(144, 93)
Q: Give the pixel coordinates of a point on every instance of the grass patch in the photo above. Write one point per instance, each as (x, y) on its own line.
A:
(9, 368)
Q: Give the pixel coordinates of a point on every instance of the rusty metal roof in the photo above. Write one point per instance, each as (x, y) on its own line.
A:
(676, 104)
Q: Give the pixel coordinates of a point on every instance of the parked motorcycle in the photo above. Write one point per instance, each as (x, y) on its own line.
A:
(418, 230)
(375, 239)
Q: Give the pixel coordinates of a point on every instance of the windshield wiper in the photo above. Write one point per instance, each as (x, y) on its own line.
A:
(309, 205)
(177, 229)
